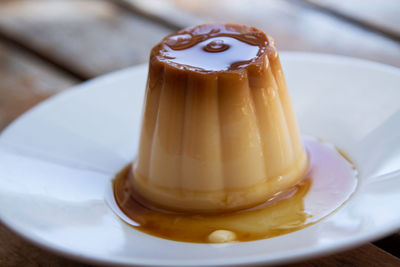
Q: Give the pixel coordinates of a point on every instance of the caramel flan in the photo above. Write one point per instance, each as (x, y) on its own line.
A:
(218, 132)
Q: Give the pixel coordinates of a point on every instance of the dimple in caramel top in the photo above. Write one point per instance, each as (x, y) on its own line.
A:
(214, 48)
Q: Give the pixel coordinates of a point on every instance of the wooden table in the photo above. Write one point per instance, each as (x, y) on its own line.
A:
(47, 46)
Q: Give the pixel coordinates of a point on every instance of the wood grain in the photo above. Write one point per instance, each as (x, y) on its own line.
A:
(24, 82)
(380, 15)
(391, 244)
(88, 37)
(293, 26)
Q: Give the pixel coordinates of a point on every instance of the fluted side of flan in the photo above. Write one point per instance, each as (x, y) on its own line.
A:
(217, 141)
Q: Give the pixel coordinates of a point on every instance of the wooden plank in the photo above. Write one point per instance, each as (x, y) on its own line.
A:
(390, 244)
(87, 37)
(164, 12)
(293, 26)
(382, 16)
(25, 81)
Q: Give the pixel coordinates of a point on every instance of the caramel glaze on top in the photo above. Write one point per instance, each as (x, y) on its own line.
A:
(215, 48)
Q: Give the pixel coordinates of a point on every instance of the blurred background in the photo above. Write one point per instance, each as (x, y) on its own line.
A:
(47, 46)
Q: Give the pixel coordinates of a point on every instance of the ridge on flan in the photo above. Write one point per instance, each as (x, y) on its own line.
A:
(216, 138)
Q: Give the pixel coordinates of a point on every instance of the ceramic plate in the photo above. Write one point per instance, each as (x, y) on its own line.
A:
(57, 161)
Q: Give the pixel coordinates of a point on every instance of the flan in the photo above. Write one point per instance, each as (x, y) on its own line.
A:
(218, 132)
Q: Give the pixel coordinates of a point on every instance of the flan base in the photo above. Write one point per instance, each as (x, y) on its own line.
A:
(219, 200)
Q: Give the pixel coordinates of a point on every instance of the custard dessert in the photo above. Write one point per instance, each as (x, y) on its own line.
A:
(220, 156)
(219, 132)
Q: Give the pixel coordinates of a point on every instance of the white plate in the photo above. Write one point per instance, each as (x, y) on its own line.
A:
(57, 160)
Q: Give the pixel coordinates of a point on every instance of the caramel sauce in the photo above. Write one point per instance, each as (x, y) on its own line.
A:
(213, 48)
(330, 181)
